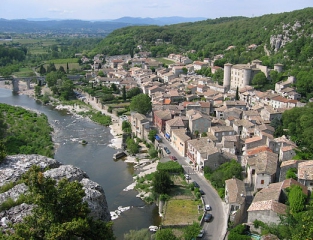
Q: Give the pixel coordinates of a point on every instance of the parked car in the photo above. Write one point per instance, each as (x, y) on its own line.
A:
(201, 192)
(196, 184)
(200, 235)
(167, 150)
(207, 207)
(173, 158)
(207, 217)
(187, 177)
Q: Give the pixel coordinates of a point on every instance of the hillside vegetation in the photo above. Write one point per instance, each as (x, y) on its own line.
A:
(285, 38)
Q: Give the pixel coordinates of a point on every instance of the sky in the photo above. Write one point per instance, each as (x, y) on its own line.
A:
(113, 9)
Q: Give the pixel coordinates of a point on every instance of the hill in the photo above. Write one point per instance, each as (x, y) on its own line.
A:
(272, 34)
(84, 27)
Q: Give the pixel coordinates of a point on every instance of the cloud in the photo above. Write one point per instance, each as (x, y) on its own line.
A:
(59, 11)
(155, 5)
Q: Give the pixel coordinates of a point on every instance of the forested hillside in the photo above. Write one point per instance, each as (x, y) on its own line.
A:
(211, 37)
(285, 38)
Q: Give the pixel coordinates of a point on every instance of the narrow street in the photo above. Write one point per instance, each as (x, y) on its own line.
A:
(216, 229)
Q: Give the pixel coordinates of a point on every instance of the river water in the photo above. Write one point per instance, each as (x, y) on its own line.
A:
(95, 159)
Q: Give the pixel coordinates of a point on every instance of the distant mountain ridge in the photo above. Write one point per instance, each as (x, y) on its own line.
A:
(102, 27)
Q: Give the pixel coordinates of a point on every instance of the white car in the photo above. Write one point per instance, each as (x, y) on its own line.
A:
(187, 177)
(200, 235)
(207, 207)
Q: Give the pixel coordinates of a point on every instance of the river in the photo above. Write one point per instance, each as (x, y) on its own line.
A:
(95, 159)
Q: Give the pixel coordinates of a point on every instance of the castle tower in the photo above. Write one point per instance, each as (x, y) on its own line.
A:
(246, 76)
(278, 67)
(227, 76)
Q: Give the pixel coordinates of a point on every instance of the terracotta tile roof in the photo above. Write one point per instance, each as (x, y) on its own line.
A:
(287, 163)
(289, 182)
(167, 101)
(236, 190)
(287, 148)
(257, 150)
(181, 134)
(205, 104)
(266, 162)
(175, 122)
(269, 205)
(305, 170)
(164, 115)
(271, 192)
(253, 139)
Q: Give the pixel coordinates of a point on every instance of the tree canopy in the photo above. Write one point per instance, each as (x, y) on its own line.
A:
(141, 103)
(59, 213)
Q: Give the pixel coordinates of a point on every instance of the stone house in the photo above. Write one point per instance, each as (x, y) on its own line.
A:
(286, 153)
(198, 122)
(285, 166)
(175, 123)
(262, 169)
(220, 131)
(266, 207)
(268, 113)
(232, 112)
(244, 128)
(160, 117)
(202, 152)
(230, 144)
(140, 125)
(235, 193)
(205, 107)
(236, 104)
(253, 142)
(179, 141)
(199, 65)
(305, 173)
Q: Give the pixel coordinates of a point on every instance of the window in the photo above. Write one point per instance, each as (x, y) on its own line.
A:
(262, 181)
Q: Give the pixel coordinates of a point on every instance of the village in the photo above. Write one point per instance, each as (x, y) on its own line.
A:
(209, 124)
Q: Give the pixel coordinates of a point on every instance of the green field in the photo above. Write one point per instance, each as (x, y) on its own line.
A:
(64, 61)
(181, 212)
(71, 66)
(164, 61)
(24, 72)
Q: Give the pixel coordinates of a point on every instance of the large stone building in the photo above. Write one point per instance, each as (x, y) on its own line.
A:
(241, 75)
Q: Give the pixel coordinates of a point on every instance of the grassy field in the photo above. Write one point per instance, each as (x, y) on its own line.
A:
(164, 61)
(24, 72)
(63, 61)
(70, 66)
(181, 212)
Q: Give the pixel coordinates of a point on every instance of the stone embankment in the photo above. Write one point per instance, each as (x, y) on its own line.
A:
(12, 168)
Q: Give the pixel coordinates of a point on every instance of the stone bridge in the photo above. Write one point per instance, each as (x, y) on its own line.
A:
(15, 82)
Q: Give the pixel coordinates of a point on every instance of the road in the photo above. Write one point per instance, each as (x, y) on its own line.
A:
(216, 229)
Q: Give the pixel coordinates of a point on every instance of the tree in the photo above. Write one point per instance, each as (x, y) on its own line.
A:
(151, 135)
(60, 211)
(291, 173)
(141, 104)
(165, 234)
(126, 127)
(124, 93)
(192, 231)
(296, 199)
(132, 146)
(37, 91)
(185, 70)
(133, 92)
(259, 79)
(161, 182)
(61, 69)
(101, 74)
(237, 94)
(42, 70)
(142, 234)
(67, 68)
